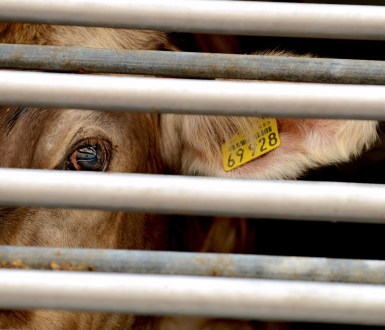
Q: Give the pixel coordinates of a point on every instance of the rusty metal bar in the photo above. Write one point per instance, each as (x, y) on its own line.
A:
(193, 195)
(196, 264)
(186, 295)
(228, 17)
(191, 65)
(165, 95)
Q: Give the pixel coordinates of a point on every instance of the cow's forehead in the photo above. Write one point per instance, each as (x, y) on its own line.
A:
(13, 116)
(20, 120)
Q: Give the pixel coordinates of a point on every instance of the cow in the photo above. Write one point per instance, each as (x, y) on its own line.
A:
(77, 140)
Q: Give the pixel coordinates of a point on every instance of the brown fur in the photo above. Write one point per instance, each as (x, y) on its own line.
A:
(142, 144)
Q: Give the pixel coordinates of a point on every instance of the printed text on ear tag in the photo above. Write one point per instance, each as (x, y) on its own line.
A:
(240, 149)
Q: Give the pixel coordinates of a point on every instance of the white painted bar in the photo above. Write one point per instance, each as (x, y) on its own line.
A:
(228, 17)
(165, 95)
(185, 295)
(193, 195)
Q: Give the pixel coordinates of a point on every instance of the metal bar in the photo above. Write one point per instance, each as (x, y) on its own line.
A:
(193, 195)
(228, 17)
(191, 65)
(196, 264)
(184, 295)
(139, 94)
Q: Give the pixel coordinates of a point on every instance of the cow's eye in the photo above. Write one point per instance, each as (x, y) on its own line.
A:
(89, 156)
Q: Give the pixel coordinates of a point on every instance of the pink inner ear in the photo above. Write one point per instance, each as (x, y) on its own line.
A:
(310, 143)
(297, 136)
(304, 127)
(284, 161)
(309, 135)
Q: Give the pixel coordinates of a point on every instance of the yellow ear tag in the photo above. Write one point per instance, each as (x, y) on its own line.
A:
(240, 149)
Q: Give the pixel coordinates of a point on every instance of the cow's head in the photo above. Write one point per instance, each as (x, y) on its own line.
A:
(74, 140)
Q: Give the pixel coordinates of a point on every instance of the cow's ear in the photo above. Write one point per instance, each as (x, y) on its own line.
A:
(193, 145)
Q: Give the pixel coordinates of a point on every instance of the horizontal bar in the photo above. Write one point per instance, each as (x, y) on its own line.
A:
(139, 94)
(193, 195)
(191, 65)
(184, 295)
(226, 17)
(197, 264)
